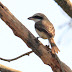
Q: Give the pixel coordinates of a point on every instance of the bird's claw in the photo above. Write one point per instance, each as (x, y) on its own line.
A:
(37, 38)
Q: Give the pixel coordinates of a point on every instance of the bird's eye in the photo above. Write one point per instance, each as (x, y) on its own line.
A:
(37, 17)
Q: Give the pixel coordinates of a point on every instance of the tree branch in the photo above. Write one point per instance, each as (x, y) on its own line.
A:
(37, 47)
(7, 69)
(16, 57)
(66, 6)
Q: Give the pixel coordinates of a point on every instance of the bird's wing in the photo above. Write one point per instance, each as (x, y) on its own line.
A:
(46, 28)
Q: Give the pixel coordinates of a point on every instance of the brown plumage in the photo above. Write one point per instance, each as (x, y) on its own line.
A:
(45, 29)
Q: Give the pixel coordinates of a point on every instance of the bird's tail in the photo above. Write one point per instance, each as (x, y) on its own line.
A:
(53, 45)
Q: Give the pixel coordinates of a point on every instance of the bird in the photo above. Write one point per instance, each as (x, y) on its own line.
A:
(45, 29)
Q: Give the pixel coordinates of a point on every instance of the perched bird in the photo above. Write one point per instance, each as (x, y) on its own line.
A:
(45, 29)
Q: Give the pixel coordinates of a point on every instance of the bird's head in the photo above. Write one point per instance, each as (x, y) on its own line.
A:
(37, 17)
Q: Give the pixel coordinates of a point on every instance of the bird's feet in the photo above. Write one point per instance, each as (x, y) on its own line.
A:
(37, 38)
(55, 49)
(48, 48)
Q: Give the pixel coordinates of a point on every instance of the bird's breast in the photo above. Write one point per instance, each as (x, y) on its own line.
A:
(42, 34)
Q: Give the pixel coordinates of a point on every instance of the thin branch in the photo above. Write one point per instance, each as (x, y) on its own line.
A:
(16, 57)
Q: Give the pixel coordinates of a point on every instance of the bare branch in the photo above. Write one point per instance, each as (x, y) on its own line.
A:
(66, 6)
(16, 57)
(7, 69)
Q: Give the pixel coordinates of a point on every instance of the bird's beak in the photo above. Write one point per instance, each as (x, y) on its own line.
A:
(30, 18)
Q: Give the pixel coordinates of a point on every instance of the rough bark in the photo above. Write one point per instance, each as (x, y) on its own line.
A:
(7, 69)
(38, 48)
(66, 6)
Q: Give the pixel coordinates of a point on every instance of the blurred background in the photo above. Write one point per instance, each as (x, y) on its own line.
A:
(12, 46)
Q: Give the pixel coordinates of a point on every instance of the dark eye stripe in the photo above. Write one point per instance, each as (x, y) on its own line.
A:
(37, 17)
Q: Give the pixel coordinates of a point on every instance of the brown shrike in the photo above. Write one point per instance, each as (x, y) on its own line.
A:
(45, 29)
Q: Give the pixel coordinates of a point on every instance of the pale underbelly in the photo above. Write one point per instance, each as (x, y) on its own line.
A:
(42, 34)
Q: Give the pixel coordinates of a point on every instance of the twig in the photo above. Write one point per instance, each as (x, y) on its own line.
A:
(16, 57)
